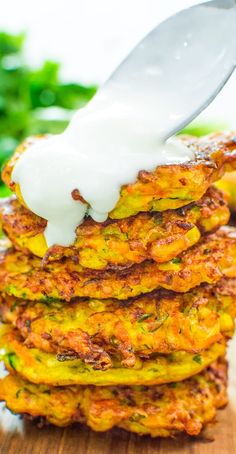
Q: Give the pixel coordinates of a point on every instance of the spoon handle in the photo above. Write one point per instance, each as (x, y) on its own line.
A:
(223, 4)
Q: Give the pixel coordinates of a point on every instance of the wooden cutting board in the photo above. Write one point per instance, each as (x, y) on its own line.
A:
(18, 437)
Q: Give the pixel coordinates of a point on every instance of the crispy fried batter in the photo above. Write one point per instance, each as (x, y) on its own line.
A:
(170, 186)
(214, 256)
(228, 184)
(96, 330)
(163, 410)
(161, 339)
(40, 367)
(157, 236)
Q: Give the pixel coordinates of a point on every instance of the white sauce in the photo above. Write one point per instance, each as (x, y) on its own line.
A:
(110, 152)
(106, 144)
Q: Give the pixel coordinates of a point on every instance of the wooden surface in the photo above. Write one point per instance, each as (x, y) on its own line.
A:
(17, 437)
(80, 440)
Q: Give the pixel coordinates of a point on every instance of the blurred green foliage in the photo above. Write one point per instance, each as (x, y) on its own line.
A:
(200, 129)
(26, 95)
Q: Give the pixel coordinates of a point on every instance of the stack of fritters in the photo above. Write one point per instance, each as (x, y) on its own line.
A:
(127, 327)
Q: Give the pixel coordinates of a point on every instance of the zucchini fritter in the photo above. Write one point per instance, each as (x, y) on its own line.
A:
(167, 187)
(163, 410)
(96, 330)
(228, 184)
(212, 258)
(40, 367)
(157, 236)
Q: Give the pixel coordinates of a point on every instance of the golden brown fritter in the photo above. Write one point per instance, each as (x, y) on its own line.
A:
(163, 410)
(212, 258)
(157, 236)
(96, 330)
(41, 367)
(228, 184)
(167, 187)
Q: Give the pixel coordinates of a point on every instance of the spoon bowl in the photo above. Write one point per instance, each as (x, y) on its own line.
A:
(178, 68)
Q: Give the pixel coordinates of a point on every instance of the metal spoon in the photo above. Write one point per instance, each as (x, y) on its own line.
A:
(178, 69)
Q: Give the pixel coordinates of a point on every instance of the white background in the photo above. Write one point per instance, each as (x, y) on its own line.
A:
(90, 37)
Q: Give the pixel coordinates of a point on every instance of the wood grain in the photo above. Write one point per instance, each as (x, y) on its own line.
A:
(80, 440)
(17, 437)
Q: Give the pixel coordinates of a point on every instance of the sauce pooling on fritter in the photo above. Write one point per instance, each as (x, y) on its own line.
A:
(96, 155)
(81, 171)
